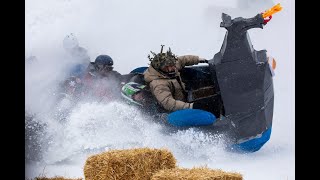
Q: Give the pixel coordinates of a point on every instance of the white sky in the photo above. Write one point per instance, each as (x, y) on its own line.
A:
(127, 30)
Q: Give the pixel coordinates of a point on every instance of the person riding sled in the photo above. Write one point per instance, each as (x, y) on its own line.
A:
(78, 56)
(101, 81)
(164, 80)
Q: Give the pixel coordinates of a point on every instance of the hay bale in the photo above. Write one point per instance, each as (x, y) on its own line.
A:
(195, 174)
(55, 178)
(128, 164)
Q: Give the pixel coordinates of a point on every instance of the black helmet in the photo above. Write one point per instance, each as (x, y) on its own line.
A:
(103, 62)
(162, 59)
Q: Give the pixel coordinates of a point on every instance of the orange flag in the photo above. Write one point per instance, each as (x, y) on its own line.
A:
(272, 10)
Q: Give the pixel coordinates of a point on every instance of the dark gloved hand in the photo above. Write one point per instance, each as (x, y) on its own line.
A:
(203, 60)
(203, 104)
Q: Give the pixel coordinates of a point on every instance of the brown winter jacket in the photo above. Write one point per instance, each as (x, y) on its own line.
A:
(169, 92)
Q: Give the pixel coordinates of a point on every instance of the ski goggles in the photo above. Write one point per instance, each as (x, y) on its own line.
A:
(102, 67)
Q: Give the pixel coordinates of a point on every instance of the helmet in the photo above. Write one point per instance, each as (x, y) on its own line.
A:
(162, 59)
(70, 41)
(103, 62)
(130, 89)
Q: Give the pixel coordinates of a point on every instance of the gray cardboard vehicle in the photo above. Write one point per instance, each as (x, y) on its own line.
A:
(238, 85)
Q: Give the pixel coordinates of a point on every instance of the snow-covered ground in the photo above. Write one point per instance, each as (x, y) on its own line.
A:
(127, 30)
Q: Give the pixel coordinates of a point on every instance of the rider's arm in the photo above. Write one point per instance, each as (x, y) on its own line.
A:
(118, 76)
(161, 90)
(187, 60)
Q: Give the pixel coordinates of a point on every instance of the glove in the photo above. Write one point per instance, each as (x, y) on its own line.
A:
(203, 60)
(203, 104)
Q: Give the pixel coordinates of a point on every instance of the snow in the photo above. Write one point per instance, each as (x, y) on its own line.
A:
(127, 30)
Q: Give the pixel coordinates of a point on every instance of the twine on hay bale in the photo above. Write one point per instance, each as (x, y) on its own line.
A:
(128, 164)
(200, 173)
(55, 178)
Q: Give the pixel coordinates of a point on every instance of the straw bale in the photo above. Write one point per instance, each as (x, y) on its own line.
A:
(201, 173)
(55, 178)
(138, 163)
